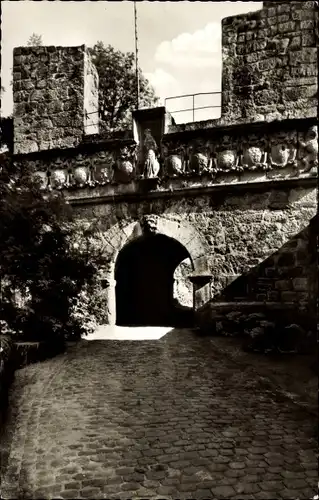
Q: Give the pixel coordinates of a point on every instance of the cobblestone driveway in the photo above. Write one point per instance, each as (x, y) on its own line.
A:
(171, 418)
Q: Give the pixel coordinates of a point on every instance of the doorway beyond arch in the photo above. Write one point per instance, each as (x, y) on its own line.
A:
(144, 275)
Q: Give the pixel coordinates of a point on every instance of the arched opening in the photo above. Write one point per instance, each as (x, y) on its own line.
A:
(144, 275)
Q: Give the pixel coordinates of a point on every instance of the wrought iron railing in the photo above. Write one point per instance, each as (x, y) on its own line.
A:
(193, 108)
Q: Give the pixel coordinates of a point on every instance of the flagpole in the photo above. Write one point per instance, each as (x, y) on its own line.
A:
(136, 60)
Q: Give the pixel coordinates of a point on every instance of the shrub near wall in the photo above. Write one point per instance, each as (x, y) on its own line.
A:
(265, 329)
(41, 260)
(6, 373)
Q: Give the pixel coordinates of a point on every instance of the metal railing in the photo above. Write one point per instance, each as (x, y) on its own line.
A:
(193, 108)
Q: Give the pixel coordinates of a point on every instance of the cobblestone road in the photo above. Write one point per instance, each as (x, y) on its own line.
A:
(171, 418)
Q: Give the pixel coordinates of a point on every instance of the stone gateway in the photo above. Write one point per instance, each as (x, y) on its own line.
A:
(198, 218)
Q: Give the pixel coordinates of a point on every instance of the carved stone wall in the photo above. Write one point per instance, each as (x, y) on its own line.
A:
(51, 90)
(270, 62)
(85, 167)
(240, 231)
(206, 158)
(290, 149)
(239, 196)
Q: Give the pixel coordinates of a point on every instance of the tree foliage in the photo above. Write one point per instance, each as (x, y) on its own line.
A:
(6, 133)
(35, 40)
(38, 258)
(118, 87)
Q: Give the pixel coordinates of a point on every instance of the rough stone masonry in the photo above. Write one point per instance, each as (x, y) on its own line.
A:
(55, 93)
(270, 62)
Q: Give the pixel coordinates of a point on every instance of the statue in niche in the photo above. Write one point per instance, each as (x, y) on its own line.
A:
(151, 164)
(310, 149)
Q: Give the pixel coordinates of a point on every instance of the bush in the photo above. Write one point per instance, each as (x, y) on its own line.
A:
(44, 256)
(6, 368)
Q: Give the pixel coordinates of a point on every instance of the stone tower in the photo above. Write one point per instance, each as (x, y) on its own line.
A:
(55, 94)
(270, 63)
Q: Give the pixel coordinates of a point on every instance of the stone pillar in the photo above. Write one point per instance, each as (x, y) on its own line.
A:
(111, 301)
(202, 289)
(110, 294)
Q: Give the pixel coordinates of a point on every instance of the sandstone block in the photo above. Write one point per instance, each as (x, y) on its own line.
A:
(309, 39)
(55, 106)
(272, 21)
(41, 84)
(26, 147)
(295, 43)
(281, 8)
(306, 55)
(286, 259)
(273, 296)
(234, 316)
(307, 25)
(286, 27)
(262, 33)
(271, 12)
(288, 296)
(261, 297)
(283, 285)
(271, 272)
(254, 318)
(300, 284)
(282, 18)
(278, 199)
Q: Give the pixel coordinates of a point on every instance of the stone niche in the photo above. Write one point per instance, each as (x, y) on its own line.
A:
(153, 122)
(55, 95)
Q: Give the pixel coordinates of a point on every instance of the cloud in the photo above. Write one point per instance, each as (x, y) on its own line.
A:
(193, 50)
(164, 84)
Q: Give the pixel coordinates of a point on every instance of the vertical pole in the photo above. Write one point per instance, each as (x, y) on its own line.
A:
(193, 107)
(136, 60)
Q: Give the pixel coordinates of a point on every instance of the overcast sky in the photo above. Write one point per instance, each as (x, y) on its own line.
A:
(179, 42)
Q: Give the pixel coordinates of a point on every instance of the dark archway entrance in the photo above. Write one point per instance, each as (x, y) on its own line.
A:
(144, 275)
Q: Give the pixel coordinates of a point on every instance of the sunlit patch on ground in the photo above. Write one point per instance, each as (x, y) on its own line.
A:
(114, 332)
